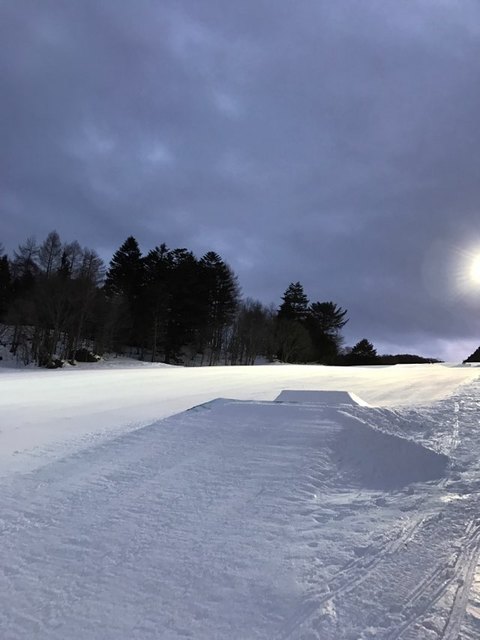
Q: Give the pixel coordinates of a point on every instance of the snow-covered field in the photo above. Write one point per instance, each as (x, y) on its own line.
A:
(135, 503)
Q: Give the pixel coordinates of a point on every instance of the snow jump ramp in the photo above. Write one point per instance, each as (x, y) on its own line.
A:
(330, 398)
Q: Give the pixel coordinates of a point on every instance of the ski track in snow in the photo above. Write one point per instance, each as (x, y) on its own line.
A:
(249, 520)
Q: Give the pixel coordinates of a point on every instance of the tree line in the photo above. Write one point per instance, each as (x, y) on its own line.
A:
(59, 302)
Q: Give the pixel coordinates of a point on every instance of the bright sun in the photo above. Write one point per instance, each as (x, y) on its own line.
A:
(475, 270)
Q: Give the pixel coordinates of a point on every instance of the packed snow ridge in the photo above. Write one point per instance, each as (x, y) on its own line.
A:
(304, 513)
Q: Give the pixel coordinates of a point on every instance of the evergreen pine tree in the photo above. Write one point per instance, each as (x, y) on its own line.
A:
(124, 275)
(155, 302)
(221, 297)
(186, 309)
(324, 322)
(363, 353)
(292, 338)
(123, 286)
(295, 303)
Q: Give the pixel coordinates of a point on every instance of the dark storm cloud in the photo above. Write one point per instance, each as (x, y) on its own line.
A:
(335, 143)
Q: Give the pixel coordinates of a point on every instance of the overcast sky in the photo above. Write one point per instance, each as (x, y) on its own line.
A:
(334, 142)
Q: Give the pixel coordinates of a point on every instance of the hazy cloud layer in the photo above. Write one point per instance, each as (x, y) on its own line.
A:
(332, 142)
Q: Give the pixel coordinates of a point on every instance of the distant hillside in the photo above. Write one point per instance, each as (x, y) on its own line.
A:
(475, 357)
(406, 358)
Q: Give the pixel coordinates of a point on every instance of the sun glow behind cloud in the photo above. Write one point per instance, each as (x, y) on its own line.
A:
(467, 270)
(474, 271)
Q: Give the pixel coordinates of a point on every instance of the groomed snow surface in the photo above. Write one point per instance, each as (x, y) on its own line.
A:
(315, 503)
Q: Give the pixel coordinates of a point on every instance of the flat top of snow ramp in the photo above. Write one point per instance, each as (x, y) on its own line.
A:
(233, 520)
(331, 398)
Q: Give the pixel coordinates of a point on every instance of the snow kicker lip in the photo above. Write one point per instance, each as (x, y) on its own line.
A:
(330, 398)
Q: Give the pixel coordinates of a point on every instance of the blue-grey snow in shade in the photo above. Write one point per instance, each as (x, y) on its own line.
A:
(331, 142)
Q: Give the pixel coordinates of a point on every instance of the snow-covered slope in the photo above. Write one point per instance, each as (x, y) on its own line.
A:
(306, 518)
(44, 414)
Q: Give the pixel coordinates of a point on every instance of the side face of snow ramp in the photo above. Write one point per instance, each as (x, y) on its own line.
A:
(330, 398)
(382, 461)
(365, 455)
